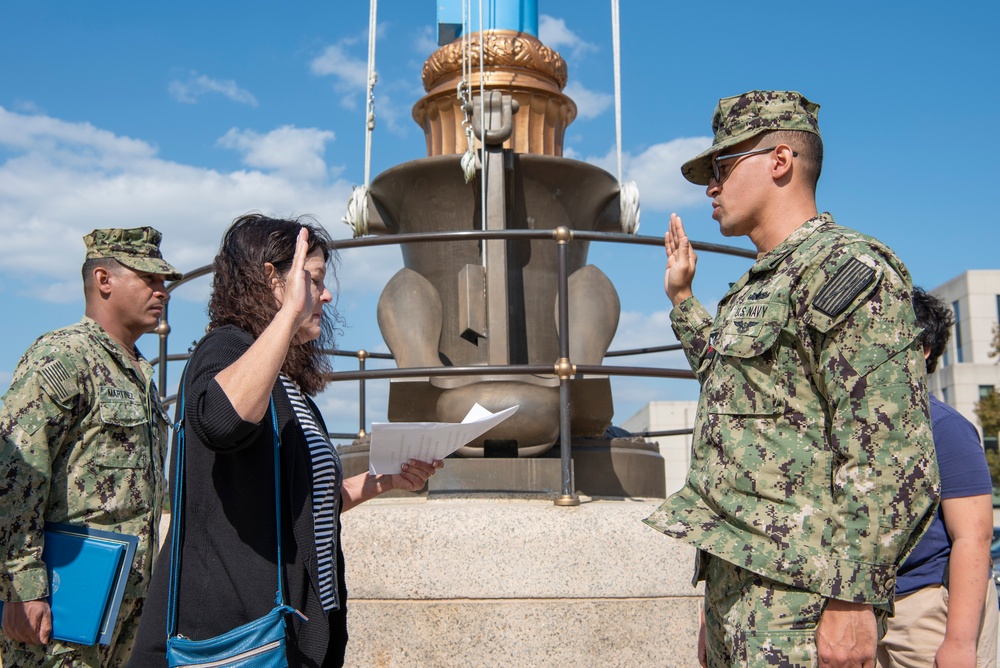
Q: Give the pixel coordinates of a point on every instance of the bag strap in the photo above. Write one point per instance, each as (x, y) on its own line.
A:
(279, 598)
(177, 508)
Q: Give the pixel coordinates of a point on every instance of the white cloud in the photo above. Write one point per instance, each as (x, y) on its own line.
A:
(376, 265)
(555, 34)
(27, 107)
(65, 179)
(589, 103)
(350, 73)
(295, 152)
(198, 85)
(339, 402)
(23, 131)
(425, 41)
(637, 330)
(388, 113)
(60, 292)
(643, 330)
(632, 393)
(657, 172)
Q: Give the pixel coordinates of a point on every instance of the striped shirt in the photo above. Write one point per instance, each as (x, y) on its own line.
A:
(327, 477)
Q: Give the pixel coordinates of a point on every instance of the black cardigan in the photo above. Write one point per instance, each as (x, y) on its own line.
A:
(228, 571)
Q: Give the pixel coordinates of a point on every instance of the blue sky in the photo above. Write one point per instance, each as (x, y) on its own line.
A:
(184, 115)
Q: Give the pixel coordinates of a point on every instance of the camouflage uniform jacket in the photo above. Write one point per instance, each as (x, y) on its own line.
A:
(82, 441)
(812, 460)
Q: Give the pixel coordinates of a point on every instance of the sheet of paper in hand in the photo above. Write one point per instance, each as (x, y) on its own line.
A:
(395, 443)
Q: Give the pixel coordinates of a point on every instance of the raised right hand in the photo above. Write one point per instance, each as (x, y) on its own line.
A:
(681, 261)
(29, 622)
(298, 297)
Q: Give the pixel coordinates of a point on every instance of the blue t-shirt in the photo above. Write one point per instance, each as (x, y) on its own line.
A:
(963, 473)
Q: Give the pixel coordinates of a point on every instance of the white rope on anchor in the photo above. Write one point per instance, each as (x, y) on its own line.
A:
(357, 205)
(628, 192)
(357, 211)
(469, 162)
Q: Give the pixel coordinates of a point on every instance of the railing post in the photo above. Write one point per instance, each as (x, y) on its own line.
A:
(362, 356)
(163, 330)
(564, 369)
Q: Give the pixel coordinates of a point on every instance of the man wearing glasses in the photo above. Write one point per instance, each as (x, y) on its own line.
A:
(812, 469)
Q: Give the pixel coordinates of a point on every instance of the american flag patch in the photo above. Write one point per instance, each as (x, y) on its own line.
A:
(843, 287)
(56, 381)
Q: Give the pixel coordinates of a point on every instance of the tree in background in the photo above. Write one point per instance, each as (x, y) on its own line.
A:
(993, 461)
(988, 411)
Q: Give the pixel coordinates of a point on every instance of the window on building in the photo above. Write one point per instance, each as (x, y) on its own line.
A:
(986, 390)
(944, 395)
(959, 357)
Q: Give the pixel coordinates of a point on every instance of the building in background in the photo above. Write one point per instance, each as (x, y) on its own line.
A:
(675, 450)
(966, 371)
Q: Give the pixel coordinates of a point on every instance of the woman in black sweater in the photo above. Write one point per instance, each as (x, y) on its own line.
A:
(267, 331)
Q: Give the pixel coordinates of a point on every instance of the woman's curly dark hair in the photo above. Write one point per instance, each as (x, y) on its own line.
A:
(241, 294)
(937, 319)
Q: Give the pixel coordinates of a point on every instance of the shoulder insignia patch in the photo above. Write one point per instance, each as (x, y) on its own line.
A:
(57, 381)
(841, 288)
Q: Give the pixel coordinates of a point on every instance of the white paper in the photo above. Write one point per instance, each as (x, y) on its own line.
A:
(395, 443)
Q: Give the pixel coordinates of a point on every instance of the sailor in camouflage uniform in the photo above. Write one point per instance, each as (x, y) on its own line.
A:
(82, 441)
(812, 467)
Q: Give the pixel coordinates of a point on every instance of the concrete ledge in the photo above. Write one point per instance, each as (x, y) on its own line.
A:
(492, 476)
(513, 582)
(504, 548)
(538, 634)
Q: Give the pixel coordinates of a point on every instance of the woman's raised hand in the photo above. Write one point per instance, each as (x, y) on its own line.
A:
(298, 296)
(247, 382)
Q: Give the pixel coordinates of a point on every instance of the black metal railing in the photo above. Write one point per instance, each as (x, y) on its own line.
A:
(563, 367)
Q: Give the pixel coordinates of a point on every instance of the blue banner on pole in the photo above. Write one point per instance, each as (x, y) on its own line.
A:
(517, 15)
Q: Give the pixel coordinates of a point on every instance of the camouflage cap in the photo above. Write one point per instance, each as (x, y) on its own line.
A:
(136, 248)
(741, 117)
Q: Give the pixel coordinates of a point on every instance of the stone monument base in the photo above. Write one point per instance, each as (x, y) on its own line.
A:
(452, 581)
(601, 467)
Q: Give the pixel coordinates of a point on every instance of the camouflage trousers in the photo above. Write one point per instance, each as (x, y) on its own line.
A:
(71, 655)
(751, 621)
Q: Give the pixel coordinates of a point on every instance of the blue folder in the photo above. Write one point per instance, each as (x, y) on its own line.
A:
(88, 569)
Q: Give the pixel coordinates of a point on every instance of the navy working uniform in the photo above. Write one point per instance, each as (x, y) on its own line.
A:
(82, 441)
(812, 464)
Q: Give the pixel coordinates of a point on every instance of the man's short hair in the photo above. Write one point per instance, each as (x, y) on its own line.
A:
(808, 145)
(937, 319)
(90, 265)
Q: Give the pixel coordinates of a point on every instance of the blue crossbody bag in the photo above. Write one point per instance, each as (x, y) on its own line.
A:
(256, 644)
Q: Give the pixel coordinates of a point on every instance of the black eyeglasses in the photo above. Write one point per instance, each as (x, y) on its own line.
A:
(717, 172)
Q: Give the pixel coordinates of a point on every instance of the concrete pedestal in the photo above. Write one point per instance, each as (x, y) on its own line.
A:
(510, 582)
(601, 467)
